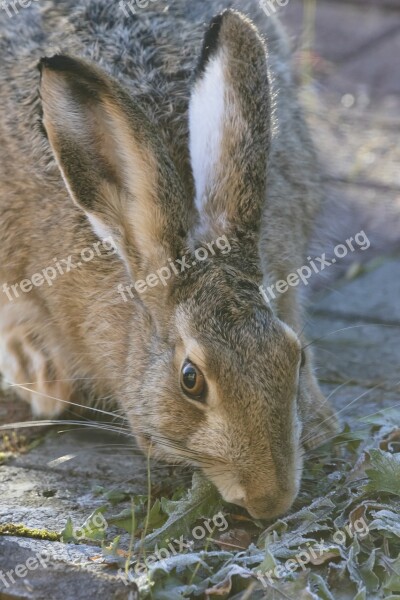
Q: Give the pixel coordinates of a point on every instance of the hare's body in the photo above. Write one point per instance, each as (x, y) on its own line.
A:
(79, 329)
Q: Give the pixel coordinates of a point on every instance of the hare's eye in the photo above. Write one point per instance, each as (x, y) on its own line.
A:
(192, 381)
(303, 359)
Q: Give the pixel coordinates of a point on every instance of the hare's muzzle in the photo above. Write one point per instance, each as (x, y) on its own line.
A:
(270, 507)
(267, 506)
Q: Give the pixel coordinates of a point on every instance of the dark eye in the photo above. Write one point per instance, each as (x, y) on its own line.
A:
(303, 359)
(192, 381)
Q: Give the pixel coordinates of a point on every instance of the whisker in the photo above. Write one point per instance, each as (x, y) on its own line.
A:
(350, 327)
(331, 333)
(382, 410)
(56, 380)
(104, 412)
(359, 431)
(51, 422)
(338, 388)
(341, 411)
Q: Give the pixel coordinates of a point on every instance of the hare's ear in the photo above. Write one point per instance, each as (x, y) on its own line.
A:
(229, 122)
(113, 163)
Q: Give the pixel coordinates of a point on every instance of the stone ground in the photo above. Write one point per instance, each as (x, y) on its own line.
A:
(347, 60)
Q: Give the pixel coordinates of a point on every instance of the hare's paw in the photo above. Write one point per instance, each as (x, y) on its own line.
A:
(33, 375)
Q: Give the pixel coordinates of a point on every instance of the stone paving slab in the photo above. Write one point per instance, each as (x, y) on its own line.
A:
(359, 323)
(365, 353)
(60, 477)
(68, 565)
(352, 402)
(40, 499)
(65, 450)
(358, 360)
(331, 234)
(373, 297)
(40, 492)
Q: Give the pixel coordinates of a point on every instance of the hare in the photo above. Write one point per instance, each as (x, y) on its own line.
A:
(154, 173)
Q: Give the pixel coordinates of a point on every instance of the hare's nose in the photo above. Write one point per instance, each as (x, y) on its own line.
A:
(235, 495)
(269, 507)
(239, 501)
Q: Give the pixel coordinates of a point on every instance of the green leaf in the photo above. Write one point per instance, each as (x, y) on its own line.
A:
(386, 521)
(297, 589)
(94, 528)
(116, 496)
(286, 535)
(171, 589)
(384, 473)
(67, 534)
(202, 500)
(361, 595)
(268, 564)
(362, 572)
(156, 517)
(388, 417)
(320, 586)
(110, 553)
(227, 578)
(392, 567)
(366, 570)
(123, 520)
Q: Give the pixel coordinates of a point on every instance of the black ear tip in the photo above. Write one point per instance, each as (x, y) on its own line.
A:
(42, 64)
(210, 43)
(58, 62)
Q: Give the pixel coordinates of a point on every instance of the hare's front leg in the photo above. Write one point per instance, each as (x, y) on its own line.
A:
(28, 364)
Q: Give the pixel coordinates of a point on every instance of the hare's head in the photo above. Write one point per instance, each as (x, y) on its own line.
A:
(219, 373)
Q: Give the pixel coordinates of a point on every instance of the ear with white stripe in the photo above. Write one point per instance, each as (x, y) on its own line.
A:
(229, 125)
